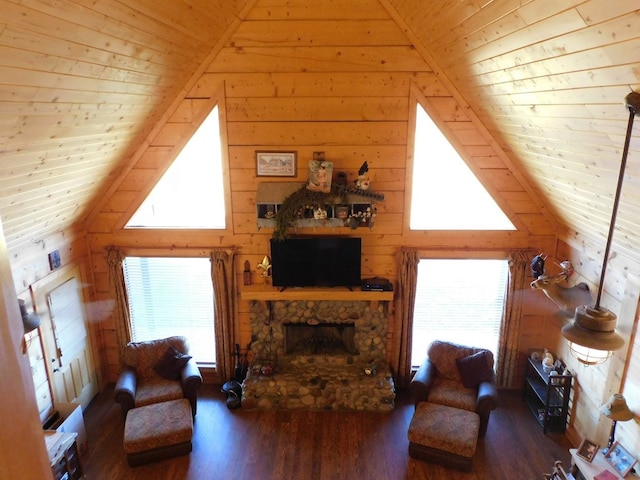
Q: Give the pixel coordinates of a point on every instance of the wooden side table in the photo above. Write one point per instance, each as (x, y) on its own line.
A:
(64, 456)
(579, 466)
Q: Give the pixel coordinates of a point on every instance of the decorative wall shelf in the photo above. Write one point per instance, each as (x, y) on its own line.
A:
(268, 292)
(270, 196)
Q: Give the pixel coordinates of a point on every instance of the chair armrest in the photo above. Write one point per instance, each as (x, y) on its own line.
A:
(422, 381)
(125, 391)
(191, 379)
(190, 376)
(487, 397)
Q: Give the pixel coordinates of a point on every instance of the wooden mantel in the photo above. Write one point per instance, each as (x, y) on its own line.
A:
(267, 292)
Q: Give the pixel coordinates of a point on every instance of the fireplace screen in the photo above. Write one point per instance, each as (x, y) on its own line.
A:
(320, 339)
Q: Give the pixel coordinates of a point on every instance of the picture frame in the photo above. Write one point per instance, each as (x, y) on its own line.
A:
(320, 175)
(587, 450)
(276, 163)
(620, 459)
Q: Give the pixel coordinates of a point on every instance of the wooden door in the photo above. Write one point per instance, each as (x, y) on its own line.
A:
(66, 343)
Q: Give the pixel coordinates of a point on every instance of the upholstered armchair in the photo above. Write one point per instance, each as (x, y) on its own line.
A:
(457, 376)
(157, 371)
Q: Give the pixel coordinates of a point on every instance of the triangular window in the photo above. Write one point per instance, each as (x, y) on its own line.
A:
(446, 195)
(190, 194)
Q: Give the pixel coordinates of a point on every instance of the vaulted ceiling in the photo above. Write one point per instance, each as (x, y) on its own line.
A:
(85, 82)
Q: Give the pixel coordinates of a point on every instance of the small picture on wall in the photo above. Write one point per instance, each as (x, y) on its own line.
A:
(587, 450)
(276, 164)
(319, 179)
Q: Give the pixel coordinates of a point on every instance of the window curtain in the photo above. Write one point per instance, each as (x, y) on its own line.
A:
(402, 334)
(121, 310)
(507, 362)
(223, 277)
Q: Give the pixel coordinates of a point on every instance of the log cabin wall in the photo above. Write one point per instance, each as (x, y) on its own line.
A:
(308, 80)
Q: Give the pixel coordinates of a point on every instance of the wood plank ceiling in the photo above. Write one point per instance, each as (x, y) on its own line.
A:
(84, 82)
(548, 79)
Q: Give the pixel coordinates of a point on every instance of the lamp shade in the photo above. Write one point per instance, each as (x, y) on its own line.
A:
(30, 321)
(616, 408)
(592, 336)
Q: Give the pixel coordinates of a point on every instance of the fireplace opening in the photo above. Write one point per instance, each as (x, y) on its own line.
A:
(320, 339)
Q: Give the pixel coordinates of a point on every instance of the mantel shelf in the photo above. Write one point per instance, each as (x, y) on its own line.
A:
(267, 292)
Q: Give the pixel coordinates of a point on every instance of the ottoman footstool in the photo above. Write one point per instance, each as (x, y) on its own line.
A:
(444, 435)
(158, 431)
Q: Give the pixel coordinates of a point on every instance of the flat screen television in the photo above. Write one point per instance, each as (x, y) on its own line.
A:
(316, 262)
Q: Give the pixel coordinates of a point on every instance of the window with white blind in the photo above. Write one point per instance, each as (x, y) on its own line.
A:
(460, 301)
(172, 296)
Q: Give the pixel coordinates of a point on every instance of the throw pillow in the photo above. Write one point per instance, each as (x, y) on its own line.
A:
(171, 364)
(475, 369)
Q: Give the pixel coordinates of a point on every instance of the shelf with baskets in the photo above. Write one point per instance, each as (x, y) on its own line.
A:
(547, 394)
(358, 211)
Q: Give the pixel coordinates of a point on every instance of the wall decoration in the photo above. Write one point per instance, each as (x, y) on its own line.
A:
(320, 173)
(276, 164)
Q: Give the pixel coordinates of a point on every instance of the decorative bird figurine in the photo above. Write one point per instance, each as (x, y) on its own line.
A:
(362, 182)
(265, 266)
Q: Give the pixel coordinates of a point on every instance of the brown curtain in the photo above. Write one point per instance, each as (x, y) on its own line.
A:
(405, 299)
(121, 310)
(223, 277)
(507, 362)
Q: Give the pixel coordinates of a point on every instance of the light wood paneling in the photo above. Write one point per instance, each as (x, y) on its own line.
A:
(83, 83)
(346, 95)
(96, 97)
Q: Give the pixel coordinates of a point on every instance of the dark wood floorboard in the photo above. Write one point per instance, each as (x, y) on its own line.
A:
(300, 445)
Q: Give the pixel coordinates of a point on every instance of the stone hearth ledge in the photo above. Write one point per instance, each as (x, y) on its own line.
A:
(313, 383)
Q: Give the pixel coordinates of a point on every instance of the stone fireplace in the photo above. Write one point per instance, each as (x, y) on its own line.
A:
(319, 354)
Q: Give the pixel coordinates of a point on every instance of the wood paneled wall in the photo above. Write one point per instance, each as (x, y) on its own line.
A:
(308, 82)
(621, 373)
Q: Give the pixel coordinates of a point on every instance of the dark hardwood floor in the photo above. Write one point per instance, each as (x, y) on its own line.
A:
(301, 445)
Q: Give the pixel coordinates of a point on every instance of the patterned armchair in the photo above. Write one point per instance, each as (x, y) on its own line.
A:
(157, 371)
(457, 376)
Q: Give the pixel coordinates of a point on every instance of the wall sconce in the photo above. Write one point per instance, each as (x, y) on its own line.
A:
(617, 410)
(30, 321)
(592, 336)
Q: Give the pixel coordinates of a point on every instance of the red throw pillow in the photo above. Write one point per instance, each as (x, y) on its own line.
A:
(475, 369)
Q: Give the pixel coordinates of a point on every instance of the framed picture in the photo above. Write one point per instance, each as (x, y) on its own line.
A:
(620, 459)
(320, 173)
(276, 164)
(587, 450)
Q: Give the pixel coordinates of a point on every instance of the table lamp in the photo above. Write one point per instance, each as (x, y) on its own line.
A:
(617, 410)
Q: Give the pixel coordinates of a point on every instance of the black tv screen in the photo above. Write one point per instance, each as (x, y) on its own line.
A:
(316, 262)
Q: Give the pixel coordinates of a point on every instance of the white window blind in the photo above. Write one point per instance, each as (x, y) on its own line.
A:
(459, 301)
(172, 296)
